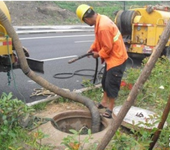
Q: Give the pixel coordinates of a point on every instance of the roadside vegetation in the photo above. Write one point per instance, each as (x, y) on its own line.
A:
(103, 7)
(15, 133)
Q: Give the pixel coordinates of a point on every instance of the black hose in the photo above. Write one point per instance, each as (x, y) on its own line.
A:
(131, 61)
(77, 72)
(96, 70)
(69, 75)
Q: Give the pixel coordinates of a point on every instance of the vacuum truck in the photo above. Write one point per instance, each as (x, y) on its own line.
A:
(8, 56)
(142, 28)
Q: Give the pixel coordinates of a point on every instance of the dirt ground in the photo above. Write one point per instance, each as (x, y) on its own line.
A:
(30, 13)
(54, 108)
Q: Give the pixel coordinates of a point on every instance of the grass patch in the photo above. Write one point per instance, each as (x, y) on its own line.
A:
(103, 7)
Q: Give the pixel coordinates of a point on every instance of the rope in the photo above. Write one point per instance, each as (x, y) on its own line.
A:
(11, 69)
(9, 77)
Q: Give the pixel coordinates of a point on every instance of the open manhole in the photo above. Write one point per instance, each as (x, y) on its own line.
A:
(76, 120)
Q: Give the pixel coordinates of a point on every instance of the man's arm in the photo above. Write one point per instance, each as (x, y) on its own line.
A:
(106, 41)
(93, 47)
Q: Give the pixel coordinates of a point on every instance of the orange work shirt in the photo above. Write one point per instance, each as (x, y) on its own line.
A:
(109, 42)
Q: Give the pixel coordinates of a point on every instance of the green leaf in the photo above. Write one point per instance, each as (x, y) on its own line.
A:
(86, 140)
(5, 122)
(9, 96)
(73, 131)
(89, 131)
(4, 117)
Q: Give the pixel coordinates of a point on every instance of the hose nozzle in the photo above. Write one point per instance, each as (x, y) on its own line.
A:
(82, 56)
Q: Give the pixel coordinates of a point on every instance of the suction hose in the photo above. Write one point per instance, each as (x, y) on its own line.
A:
(42, 82)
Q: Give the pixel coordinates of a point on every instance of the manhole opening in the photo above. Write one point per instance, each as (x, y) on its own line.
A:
(76, 121)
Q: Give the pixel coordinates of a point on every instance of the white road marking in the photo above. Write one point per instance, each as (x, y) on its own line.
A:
(58, 58)
(88, 41)
(62, 36)
(31, 81)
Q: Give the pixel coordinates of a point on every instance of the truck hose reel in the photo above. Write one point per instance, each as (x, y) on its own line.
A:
(124, 21)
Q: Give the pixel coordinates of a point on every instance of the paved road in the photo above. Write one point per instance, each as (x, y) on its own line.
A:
(55, 50)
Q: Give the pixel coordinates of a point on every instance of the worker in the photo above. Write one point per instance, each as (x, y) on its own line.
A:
(109, 46)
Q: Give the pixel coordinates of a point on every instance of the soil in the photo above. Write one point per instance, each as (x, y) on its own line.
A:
(55, 108)
(30, 13)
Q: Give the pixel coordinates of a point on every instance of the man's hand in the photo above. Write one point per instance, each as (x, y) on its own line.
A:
(90, 51)
(95, 54)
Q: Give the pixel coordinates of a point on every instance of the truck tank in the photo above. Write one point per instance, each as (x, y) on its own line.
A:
(5, 42)
(141, 28)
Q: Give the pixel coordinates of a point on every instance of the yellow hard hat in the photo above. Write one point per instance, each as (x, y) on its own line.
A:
(81, 10)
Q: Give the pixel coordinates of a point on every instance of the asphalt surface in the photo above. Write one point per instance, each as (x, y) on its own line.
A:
(55, 49)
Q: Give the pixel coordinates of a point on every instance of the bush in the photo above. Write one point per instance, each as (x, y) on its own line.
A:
(13, 135)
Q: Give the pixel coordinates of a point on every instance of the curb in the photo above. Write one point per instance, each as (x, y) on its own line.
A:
(52, 29)
(78, 91)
